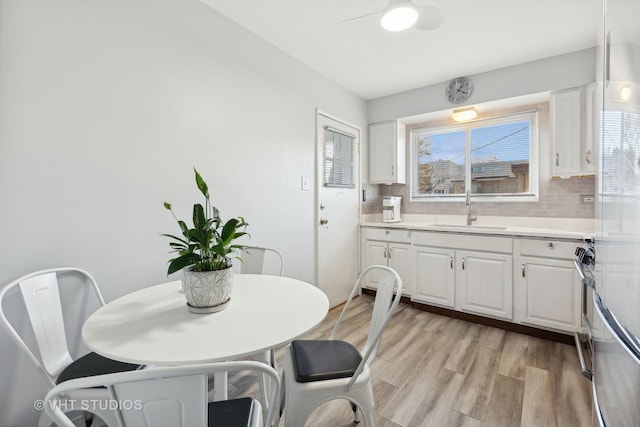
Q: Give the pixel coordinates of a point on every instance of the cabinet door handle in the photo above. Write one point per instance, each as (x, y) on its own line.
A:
(463, 263)
(451, 262)
(587, 157)
(522, 270)
(389, 252)
(385, 252)
(557, 159)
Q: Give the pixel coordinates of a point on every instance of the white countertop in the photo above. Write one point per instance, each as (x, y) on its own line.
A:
(555, 228)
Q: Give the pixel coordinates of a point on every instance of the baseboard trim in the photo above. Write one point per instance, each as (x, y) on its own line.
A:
(502, 324)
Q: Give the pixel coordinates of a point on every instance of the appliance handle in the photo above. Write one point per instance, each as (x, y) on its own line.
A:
(585, 280)
(596, 407)
(583, 366)
(628, 341)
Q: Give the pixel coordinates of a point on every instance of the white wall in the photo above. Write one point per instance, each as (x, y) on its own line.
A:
(558, 72)
(105, 107)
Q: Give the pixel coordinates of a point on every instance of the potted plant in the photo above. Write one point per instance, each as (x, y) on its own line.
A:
(204, 254)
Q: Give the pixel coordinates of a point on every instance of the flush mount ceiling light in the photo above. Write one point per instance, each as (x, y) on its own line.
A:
(625, 92)
(399, 16)
(464, 114)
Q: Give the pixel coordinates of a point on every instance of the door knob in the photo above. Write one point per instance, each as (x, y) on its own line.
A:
(324, 221)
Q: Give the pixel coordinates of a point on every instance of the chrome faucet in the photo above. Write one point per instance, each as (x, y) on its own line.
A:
(467, 201)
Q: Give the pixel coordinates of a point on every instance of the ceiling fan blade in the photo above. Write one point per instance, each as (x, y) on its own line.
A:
(429, 18)
(357, 18)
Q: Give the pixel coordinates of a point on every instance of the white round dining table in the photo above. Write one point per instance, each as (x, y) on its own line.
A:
(153, 326)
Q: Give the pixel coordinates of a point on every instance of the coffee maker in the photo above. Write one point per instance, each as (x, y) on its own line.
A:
(391, 208)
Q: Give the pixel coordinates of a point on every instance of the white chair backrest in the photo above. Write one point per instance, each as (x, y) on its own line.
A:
(383, 309)
(179, 401)
(253, 260)
(170, 396)
(42, 299)
(41, 295)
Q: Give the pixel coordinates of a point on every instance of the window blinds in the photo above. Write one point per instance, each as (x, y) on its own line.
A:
(338, 158)
(490, 157)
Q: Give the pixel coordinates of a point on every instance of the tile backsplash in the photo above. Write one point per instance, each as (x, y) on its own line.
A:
(557, 197)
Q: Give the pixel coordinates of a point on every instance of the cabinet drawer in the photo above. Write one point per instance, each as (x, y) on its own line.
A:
(463, 241)
(548, 248)
(388, 235)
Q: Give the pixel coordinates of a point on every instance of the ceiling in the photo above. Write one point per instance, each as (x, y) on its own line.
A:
(477, 36)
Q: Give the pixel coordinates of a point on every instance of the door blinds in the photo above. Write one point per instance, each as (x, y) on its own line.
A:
(338, 158)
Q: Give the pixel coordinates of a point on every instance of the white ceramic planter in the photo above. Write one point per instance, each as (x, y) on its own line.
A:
(207, 291)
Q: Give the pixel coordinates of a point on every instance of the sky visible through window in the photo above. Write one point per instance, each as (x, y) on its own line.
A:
(502, 142)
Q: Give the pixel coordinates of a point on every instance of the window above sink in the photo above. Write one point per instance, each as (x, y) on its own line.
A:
(495, 158)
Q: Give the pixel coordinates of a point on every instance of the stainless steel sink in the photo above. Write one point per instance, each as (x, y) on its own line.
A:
(471, 227)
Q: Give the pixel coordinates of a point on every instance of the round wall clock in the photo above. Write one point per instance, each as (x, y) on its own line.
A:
(459, 90)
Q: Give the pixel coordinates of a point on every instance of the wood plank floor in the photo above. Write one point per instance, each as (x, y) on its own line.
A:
(432, 370)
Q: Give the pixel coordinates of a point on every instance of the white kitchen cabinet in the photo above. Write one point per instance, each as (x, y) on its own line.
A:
(566, 132)
(390, 248)
(387, 158)
(484, 283)
(589, 159)
(435, 276)
(547, 285)
(531, 281)
(464, 272)
(573, 120)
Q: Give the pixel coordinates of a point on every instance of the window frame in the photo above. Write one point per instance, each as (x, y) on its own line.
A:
(531, 196)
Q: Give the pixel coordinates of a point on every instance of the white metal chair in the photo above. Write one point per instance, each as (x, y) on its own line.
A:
(41, 295)
(254, 260)
(316, 371)
(261, 260)
(171, 397)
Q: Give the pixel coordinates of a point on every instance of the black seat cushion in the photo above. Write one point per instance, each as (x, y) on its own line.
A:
(231, 413)
(318, 360)
(93, 364)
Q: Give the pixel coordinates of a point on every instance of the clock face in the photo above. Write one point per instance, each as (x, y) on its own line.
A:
(459, 90)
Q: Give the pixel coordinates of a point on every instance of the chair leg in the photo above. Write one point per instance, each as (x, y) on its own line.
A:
(356, 414)
(263, 380)
(283, 390)
(366, 405)
(296, 417)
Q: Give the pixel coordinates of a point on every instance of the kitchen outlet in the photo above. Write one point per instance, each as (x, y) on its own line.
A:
(304, 183)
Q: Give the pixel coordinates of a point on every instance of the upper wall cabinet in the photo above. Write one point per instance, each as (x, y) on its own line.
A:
(572, 132)
(591, 114)
(387, 153)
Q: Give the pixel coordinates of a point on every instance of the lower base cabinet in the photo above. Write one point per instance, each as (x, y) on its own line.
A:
(387, 247)
(530, 281)
(550, 293)
(484, 284)
(435, 276)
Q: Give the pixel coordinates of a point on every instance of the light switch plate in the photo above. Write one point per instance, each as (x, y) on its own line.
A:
(304, 183)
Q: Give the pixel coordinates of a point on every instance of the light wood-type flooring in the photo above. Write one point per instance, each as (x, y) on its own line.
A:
(433, 370)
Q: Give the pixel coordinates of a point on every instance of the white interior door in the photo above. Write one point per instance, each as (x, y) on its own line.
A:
(337, 207)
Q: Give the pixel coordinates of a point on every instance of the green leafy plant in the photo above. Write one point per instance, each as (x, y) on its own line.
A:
(208, 245)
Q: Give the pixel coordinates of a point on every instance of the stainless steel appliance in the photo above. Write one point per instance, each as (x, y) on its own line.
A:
(584, 262)
(616, 319)
(391, 208)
